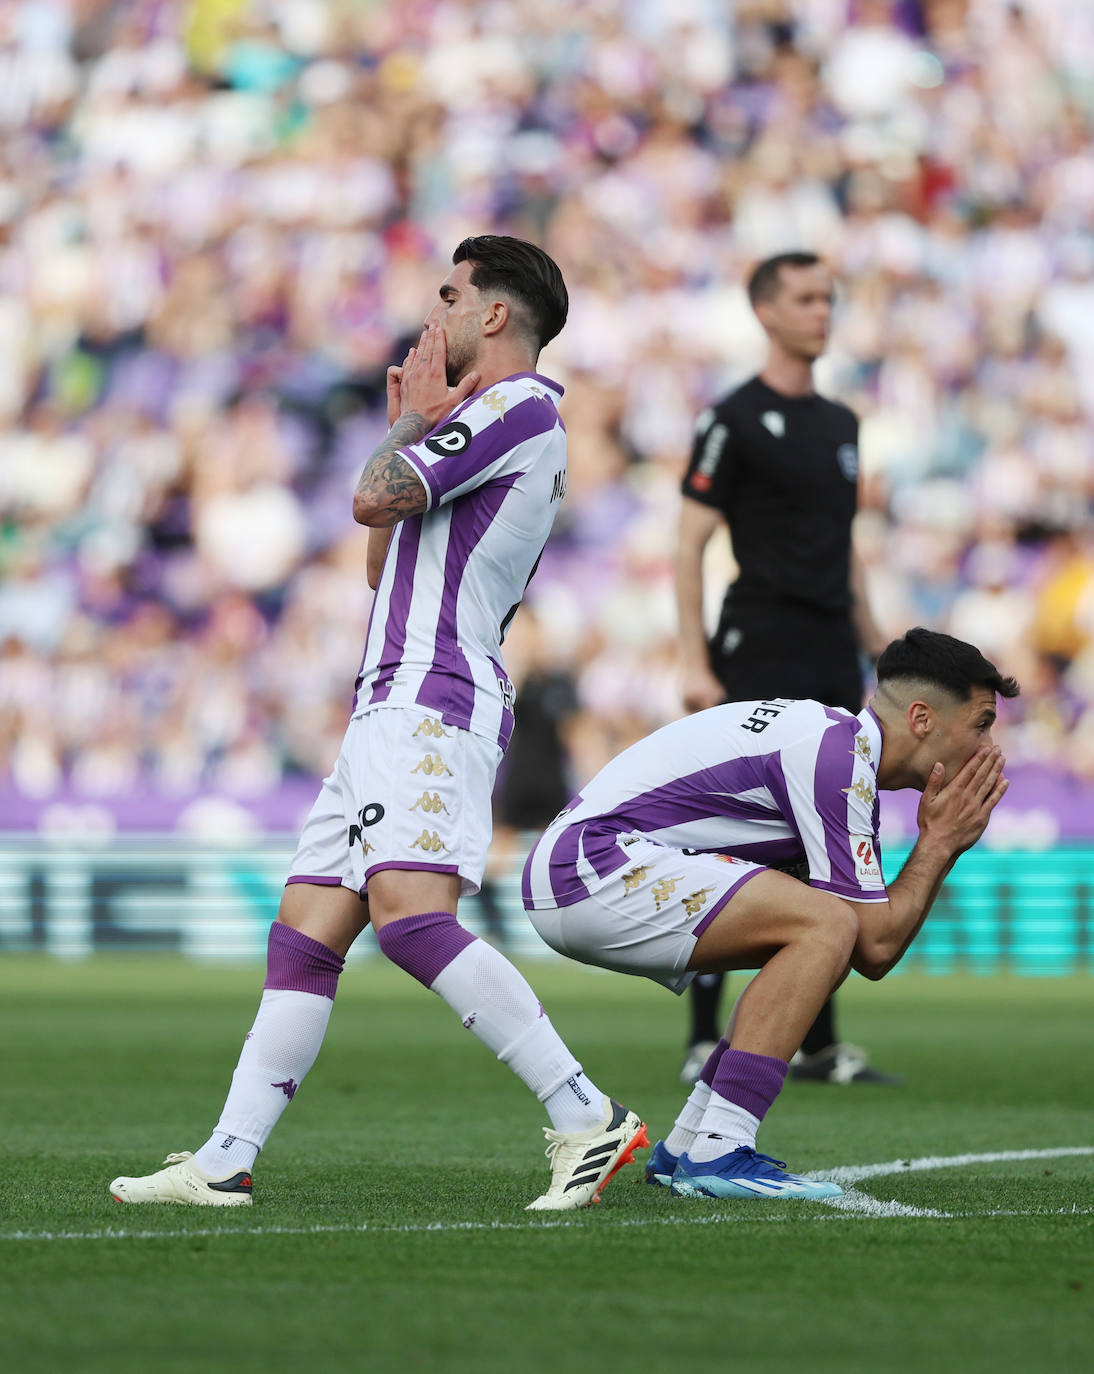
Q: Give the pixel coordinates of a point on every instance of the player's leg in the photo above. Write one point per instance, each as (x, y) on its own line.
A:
(414, 915)
(803, 941)
(315, 928)
(318, 920)
(426, 849)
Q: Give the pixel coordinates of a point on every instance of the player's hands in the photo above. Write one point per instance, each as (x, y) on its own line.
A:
(701, 689)
(956, 813)
(394, 390)
(422, 384)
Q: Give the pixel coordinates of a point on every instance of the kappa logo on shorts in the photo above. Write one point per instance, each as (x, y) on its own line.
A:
(662, 890)
(695, 901)
(430, 801)
(453, 438)
(431, 843)
(432, 729)
(433, 766)
(633, 880)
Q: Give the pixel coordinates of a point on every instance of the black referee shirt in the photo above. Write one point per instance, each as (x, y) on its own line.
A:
(783, 470)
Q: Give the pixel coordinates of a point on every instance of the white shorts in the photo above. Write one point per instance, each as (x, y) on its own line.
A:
(647, 917)
(406, 791)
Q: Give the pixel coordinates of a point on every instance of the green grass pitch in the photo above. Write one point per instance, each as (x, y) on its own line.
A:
(388, 1230)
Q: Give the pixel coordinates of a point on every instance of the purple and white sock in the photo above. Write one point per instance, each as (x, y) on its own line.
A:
(742, 1089)
(496, 1005)
(688, 1124)
(279, 1049)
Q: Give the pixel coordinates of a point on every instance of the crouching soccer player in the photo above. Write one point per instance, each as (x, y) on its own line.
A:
(663, 867)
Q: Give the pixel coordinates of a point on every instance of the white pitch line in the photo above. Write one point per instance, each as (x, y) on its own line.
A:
(851, 1204)
(855, 1201)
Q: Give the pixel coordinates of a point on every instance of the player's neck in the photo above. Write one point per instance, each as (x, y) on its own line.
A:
(788, 375)
(494, 365)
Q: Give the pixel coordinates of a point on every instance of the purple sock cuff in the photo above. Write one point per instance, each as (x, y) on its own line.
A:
(711, 1066)
(424, 945)
(752, 1081)
(297, 963)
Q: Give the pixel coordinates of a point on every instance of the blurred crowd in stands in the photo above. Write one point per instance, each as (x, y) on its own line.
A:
(220, 222)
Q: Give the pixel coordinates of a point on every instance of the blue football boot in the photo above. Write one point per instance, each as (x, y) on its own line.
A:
(745, 1173)
(661, 1166)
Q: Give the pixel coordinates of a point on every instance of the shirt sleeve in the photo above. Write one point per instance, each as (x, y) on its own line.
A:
(481, 440)
(710, 470)
(831, 790)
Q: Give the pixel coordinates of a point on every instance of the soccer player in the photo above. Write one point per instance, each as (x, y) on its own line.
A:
(459, 500)
(778, 465)
(662, 867)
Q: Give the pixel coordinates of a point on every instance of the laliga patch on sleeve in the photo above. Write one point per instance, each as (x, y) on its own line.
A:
(867, 864)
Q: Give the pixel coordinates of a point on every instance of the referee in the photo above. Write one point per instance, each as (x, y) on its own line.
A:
(778, 465)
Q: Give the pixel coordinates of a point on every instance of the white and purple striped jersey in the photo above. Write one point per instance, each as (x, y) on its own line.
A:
(766, 781)
(494, 472)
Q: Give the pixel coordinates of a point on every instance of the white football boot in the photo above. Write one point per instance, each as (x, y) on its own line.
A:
(182, 1181)
(583, 1163)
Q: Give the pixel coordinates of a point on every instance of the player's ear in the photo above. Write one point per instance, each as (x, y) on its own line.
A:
(495, 317)
(920, 719)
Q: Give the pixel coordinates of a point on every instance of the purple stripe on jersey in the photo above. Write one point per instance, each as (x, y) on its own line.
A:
(525, 878)
(448, 685)
(776, 785)
(696, 796)
(398, 611)
(529, 418)
(832, 778)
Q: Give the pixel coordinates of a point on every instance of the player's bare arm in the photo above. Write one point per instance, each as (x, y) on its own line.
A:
(952, 817)
(699, 687)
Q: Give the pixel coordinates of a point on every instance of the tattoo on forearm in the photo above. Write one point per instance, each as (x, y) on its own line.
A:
(388, 478)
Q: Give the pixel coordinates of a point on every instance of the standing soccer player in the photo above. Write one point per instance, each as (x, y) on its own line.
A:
(459, 498)
(662, 867)
(778, 465)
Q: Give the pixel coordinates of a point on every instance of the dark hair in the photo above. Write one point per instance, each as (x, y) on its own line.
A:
(929, 656)
(763, 285)
(523, 272)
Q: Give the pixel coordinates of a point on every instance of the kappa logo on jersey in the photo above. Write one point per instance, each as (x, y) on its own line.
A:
(495, 400)
(862, 749)
(430, 801)
(862, 789)
(453, 438)
(774, 422)
(867, 867)
(847, 458)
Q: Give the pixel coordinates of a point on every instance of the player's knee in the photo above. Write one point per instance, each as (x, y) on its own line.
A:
(834, 924)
